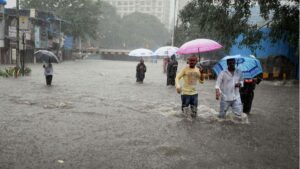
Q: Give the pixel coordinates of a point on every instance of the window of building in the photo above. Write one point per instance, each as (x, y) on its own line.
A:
(119, 3)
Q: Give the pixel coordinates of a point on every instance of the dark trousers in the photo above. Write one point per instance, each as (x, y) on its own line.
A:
(48, 79)
(171, 80)
(140, 77)
(247, 99)
(190, 100)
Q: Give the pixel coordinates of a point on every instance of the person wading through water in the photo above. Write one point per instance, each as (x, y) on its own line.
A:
(189, 95)
(171, 71)
(48, 72)
(140, 71)
(227, 87)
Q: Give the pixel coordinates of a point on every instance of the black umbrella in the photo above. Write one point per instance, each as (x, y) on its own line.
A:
(46, 56)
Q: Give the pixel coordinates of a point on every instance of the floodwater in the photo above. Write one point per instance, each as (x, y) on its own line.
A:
(96, 116)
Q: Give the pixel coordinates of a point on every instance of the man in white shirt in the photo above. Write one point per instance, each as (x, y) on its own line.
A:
(227, 87)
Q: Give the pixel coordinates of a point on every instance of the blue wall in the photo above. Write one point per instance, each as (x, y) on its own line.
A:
(268, 48)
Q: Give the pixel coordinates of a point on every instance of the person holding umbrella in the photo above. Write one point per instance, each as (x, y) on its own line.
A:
(189, 95)
(227, 87)
(50, 57)
(252, 74)
(247, 92)
(48, 72)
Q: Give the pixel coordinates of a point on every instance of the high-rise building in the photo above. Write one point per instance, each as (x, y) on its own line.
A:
(157, 8)
(179, 5)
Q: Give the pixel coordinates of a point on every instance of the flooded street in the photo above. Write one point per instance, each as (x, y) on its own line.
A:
(96, 116)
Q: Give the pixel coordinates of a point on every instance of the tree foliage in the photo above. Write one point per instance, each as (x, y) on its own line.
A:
(108, 29)
(226, 21)
(82, 15)
(132, 31)
(143, 30)
(100, 21)
(284, 23)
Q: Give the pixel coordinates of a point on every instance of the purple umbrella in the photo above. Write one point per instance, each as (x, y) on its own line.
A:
(198, 46)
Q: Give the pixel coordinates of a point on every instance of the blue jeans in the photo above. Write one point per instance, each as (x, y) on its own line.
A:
(188, 100)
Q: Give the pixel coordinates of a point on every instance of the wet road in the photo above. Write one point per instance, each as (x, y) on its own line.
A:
(96, 116)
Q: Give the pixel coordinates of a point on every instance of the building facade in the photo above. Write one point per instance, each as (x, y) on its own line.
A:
(158, 8)
(37, 30)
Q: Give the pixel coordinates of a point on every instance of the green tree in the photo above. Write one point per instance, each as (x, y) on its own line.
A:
(143, 30)
(284, 23)
(82, 15)
(108, 30)
(226, 21)
(132, 31)
(222, 23)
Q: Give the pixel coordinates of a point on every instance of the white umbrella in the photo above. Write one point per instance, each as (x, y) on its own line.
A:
(166, 51)
(141, 52)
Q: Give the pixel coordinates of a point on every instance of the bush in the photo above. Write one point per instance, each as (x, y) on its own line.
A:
(27, 71)
(12, 71)
(2, 73)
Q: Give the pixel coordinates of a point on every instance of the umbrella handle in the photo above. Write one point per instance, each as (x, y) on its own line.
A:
(199, 54)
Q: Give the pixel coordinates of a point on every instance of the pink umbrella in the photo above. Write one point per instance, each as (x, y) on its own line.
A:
(198, 46)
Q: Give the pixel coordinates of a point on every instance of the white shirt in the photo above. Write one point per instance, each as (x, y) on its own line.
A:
(48, 70)
(226, 84)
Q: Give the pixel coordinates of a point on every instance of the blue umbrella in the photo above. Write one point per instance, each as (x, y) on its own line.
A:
(2, 2)
(250, 66)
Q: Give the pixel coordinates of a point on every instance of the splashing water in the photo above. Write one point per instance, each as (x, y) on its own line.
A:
(204, 113)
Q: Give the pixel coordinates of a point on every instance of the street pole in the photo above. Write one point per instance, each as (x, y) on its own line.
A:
(59, 53)
(23, 53)
(58, 49)
(80, 47)
(18, 47)
(174, 24)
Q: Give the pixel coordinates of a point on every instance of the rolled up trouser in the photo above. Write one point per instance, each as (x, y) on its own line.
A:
(190, 100)
(236, 106)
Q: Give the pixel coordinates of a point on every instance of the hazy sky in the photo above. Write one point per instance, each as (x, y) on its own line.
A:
(10, 3)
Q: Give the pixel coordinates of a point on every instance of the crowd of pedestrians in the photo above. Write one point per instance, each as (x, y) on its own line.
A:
(232, 90)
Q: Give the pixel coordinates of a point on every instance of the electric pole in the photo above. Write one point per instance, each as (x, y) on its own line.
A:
(174, 23)
(18, 38)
